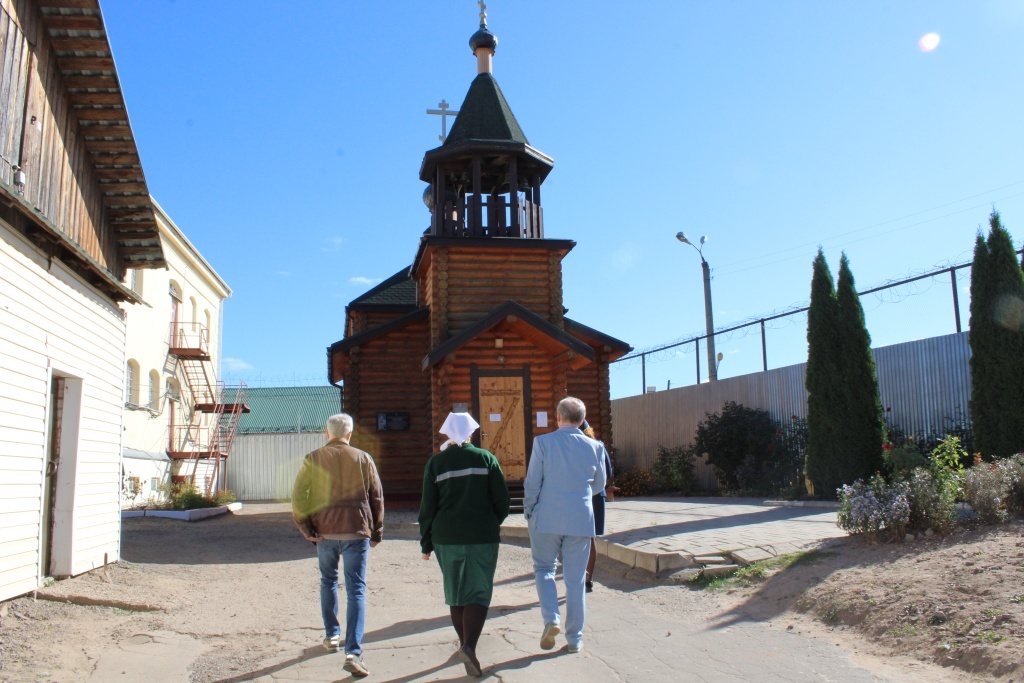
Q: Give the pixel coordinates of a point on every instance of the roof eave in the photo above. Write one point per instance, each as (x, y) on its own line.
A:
(495, 318)
(462, 149)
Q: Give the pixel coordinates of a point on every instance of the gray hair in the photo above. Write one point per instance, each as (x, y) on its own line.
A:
(572, 410)
(339, 426)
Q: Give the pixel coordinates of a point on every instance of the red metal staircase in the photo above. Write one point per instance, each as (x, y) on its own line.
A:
(216, 407)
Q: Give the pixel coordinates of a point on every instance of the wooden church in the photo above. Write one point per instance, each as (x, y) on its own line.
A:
(477, 322)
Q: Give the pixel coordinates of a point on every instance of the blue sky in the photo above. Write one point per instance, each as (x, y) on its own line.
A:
(285, 140)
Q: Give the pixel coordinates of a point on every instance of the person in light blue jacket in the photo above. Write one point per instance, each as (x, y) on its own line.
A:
(566, 469)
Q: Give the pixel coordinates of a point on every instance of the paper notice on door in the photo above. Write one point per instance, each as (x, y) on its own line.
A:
(542, 419)
(495, 417)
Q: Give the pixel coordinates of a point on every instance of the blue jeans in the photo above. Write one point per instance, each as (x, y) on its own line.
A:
(575, 553)
(352, 554)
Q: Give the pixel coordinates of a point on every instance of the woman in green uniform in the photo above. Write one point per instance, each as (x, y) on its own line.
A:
(465, 500)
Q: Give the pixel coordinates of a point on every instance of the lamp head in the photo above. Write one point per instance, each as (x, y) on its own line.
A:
(703, 239)
(681, 236)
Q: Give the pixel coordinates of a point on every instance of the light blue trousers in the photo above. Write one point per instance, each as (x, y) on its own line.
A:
(575, 553)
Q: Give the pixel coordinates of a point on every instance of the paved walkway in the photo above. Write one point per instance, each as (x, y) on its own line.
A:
(659, 534)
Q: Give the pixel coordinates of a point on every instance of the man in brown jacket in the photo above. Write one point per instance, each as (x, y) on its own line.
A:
(338, 504)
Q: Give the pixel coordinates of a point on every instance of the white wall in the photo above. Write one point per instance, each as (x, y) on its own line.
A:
(264, 466)
(51, 322)
(148, 333)
(146, 471)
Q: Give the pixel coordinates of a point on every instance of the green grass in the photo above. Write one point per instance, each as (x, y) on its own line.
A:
(1019, 598)
(991, 637)
(901, 630)
(755, 573)
(989, 613)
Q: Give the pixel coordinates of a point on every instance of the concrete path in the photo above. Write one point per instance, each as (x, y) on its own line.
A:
(623, 643)
(658, 534)
(250, 608)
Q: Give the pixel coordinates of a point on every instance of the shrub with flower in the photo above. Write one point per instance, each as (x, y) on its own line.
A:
(868, 507)
(1013, 480)
(985, 491)
(634, 482)
(932, 501)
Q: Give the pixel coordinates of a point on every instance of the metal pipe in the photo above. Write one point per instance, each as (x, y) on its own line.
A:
(764, 349)
(708, 319)
(956, 298)
(643, 372)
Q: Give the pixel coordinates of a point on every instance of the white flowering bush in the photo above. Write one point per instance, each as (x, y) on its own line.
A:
(932, 501)
(871, 506)
(1013, 482)
(985, 491)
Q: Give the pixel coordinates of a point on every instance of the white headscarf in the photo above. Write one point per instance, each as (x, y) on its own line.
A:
(458, 427)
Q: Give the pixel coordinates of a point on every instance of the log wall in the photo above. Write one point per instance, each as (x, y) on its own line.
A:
(384, 375)
(462, 285)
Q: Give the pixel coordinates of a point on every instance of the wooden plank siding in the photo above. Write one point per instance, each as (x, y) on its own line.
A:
(49, 126)
(50, 318)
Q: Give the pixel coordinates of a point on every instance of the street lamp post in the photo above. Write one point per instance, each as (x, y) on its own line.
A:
(708, 319)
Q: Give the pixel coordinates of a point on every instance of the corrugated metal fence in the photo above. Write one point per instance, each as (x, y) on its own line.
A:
(924, 382)
(264, 466)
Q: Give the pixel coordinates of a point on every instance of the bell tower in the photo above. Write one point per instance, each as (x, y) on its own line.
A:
(485, 179)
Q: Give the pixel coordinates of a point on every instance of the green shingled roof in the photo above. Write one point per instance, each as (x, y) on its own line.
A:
(397, 290)
(274, 410)
(485, 115)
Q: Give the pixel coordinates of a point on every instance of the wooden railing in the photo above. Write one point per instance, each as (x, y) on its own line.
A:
(475, 215)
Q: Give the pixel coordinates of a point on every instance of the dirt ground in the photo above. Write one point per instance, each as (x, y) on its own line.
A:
(240, 588)
(956, 601)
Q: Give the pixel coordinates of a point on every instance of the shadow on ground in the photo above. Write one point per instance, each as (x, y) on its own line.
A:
(225, 539)
(715, 523)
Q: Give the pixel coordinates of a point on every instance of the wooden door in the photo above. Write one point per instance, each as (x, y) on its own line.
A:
(502, 407)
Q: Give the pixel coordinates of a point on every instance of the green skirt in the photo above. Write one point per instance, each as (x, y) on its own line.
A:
(468, 572)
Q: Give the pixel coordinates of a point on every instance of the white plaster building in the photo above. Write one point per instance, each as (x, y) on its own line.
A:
(160, 410)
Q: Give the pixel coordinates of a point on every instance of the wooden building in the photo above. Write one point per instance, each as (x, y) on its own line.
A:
(477, 321)
(75, 212)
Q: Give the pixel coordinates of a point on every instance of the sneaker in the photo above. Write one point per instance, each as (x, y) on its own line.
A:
(354, 665)
(573, 649)
(332, 643)
(547, 641)
(590, 586)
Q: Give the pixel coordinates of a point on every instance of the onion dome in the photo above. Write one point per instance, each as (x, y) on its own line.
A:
(483, 38)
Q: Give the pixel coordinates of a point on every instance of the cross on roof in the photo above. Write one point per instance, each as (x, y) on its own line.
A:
(444, 113)
(483, 12)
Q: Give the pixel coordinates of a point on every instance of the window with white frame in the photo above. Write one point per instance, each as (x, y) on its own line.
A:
(132, 381)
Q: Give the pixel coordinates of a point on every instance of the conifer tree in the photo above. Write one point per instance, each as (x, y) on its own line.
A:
(983, 417)
(997, 344)
(862, 430)
(822, 381)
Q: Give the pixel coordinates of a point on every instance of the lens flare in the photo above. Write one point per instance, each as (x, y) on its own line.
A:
(929, 42)
(1009, 313)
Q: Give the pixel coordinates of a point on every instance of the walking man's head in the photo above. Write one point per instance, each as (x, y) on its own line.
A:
(339, 427)
(570, 412)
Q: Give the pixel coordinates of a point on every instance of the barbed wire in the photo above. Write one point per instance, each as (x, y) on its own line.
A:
(277, 380)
